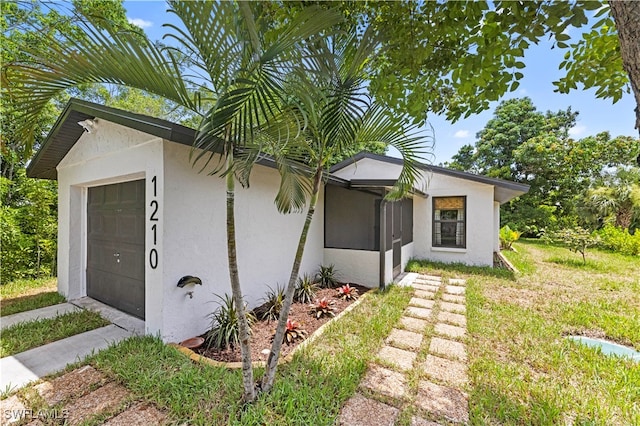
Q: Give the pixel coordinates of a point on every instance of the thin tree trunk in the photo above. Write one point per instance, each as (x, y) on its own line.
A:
(249, 394)
(276, 346)
(626, 15)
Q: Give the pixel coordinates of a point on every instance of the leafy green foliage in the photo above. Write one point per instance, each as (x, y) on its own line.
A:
(619, 240)
(293, 332)
(225, 332)
(508, 237)
(323, 307)
(327, 276)
(347, 292)
(615, 198)
(305, 289)
(270, 309)
(578, 240)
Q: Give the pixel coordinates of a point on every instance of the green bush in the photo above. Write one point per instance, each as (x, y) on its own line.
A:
(619, 240)
(508, 236)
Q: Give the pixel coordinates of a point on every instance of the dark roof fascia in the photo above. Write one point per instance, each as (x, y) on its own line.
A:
(380, 183)
(436, 169)
(150, 125)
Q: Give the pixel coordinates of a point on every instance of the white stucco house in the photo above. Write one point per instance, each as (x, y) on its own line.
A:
(135, 217)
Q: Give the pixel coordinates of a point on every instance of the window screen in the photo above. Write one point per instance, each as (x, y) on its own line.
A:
(449, 222)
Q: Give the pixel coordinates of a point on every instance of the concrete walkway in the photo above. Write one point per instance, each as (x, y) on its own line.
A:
(20, 369)
(422, 368)
(37, 314)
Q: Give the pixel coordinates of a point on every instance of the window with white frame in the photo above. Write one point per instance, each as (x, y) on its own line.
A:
(449, 222)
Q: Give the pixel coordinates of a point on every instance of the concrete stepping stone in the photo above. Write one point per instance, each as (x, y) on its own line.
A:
(419, 421)
(451, 372)
(454, 289)
(400, 358)
(453, 307)
(72, 384)
(361, 411)
(454, 298)
(141, 414)
(12, 410)
(450, 330)
(421, 313)
(421, 303)
(413, 324)
(429, 277)
(450, 317)
(385, 382)
(404, 339)
(104, 399)
(443, 401)
(457, 281)
(424, 294)
(448, 348)
(423, 287)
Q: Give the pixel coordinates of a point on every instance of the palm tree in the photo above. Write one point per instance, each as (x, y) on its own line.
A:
(232, 77)
(331, 99)
(618, 195)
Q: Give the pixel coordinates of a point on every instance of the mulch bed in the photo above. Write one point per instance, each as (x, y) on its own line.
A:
(263, 331)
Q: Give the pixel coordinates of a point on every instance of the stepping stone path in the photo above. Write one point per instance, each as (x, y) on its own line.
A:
(80, 396)
(422, 367)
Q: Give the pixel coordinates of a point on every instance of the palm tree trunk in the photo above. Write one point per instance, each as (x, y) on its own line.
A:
(249, 394)
(276, 346)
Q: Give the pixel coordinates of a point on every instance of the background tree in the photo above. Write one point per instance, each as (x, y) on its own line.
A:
(615, 198)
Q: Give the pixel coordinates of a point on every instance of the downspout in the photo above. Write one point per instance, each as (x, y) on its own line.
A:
(383, 236)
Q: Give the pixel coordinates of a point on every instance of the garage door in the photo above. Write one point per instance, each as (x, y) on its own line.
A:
(115, 246)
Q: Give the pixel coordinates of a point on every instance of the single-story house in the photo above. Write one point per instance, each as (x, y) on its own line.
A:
(135, 217)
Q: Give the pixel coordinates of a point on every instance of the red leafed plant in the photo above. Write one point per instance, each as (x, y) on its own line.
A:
(323, 307)
(293, 332)
(347, 292)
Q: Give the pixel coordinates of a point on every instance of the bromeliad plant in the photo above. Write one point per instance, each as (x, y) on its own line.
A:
(323, 308)
(293, 332)
(305, 290)
(347, 292)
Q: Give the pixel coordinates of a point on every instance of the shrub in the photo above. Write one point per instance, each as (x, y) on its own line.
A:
(327, 276)
(323, 308)
(576, 239)
(270, 309)
(619, 240)
(225, 330)
(305, 289)
(347, 292)
(508, 237)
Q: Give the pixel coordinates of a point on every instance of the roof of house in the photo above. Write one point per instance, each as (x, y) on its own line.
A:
(505, 189)
(66, 132)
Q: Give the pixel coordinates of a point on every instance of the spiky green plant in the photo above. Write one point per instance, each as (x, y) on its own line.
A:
(327, 276)
(272, 305)
(225, 331)
(305, 289)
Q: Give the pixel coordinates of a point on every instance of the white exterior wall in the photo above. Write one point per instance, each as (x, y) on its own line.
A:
(407, 254)
(195, 241)
(496, 226)
(355, 266)
(110, 154)
(479, 226)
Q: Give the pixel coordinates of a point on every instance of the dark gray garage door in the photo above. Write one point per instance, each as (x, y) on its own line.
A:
(115, 246)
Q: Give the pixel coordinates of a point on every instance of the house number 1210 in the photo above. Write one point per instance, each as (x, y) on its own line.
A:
(153, 254)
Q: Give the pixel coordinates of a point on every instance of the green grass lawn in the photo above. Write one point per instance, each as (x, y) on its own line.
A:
(25, 295)
(523, 369)
(27, 335)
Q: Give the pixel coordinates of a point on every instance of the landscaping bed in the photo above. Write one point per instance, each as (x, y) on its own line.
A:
(262, 331)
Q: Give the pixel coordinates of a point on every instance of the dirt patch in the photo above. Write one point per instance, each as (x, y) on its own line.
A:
(262, 332)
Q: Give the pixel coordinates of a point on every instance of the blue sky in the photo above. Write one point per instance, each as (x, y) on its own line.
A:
(596, 115)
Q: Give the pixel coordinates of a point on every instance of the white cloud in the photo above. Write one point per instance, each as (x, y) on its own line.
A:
(577, 130)
(140, 22)
(461, 134)
(523, 92)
